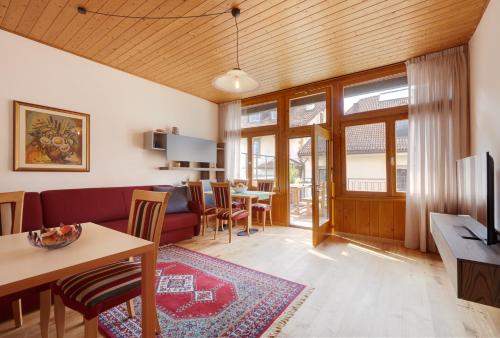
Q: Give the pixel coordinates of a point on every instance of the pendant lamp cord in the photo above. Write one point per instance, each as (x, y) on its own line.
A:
(237, 43)
(83, 10)
(235, 11)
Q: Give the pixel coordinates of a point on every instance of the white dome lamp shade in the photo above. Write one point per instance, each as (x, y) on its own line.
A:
(235, 80)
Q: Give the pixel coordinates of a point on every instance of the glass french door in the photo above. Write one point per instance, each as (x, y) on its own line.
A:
(300, 182)
(321, 184)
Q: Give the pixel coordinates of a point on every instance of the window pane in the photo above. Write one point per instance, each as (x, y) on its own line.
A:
(263, 114)
(401, 154)
(366, 157)
(379, 94)
(243, 159)
(263, 163)
(308, 110)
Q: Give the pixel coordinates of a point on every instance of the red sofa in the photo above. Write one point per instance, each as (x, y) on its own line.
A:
(108, 207)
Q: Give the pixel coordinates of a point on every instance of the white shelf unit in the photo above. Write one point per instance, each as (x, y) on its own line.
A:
(192, 169)
(155, 140)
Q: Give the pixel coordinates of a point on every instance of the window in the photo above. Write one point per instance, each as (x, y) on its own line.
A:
(243, 158)
(307, 110)
(264, 158)
(256, 145)
(259, 115)
(365, 153)
(382, 93)
(401, 127)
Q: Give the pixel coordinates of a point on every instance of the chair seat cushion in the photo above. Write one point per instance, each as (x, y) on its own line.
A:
(210, 211)
(261, 207)
(235, 216)
(100, 289)
(238, 205)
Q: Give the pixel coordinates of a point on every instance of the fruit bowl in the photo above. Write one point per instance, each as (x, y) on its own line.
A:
(240, 188)
(55, 238)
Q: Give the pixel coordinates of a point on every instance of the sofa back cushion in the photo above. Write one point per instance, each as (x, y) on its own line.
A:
(178, 201)
(86, 205)
(32, 212)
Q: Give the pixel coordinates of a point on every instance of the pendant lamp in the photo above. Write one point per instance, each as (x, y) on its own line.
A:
(235, 80)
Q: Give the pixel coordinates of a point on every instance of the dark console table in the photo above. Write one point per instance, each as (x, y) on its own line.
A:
(474, 267)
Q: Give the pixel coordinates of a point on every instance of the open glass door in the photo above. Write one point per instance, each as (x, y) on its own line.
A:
(321, 183)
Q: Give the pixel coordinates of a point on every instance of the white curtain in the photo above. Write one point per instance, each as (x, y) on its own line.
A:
(230, 114)
(438, 136)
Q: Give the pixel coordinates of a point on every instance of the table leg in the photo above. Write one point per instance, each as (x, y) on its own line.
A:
(148, 293)
(248, 203)
(45, 300)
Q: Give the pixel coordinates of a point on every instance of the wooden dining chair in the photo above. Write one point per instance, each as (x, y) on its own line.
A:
(225, 211)
(16, 201)
(239, 203)
(197, 195)
(103, 288)
(266, 206)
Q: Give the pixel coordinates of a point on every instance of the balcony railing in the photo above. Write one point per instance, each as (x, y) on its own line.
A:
(367, 184)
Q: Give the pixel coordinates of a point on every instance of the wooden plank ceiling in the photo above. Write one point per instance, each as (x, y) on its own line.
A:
(283, 43)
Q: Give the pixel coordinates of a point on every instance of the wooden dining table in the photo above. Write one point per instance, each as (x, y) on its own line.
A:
(23, 266)
(248, 196)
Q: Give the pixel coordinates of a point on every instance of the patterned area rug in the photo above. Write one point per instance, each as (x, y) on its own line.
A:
(202, 296)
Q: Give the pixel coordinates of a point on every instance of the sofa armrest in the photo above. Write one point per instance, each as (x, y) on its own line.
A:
(195, 207)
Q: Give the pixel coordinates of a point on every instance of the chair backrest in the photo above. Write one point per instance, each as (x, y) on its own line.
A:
(236, 181)
(265, 185)
(222, 195)
(196, 193)
(147, 213)
(16, 201)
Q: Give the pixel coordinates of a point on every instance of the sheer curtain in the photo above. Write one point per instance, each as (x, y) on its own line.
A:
(438, 136)
(230, 114)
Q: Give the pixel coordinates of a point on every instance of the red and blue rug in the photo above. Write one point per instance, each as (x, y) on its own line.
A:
(202, 296)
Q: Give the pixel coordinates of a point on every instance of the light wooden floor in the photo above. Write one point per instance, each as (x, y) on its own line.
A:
(362, 288)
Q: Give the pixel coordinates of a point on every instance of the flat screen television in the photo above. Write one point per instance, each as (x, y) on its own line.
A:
(476, 196)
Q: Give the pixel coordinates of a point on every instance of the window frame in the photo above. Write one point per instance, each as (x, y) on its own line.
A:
(262, 101)
(327, 90)
(249, 135)
(387, 115)
(390, 154)
(396, 118)
(374, 112)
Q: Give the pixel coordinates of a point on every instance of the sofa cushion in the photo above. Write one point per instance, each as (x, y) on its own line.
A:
(32, 212)
(127, 194)
(171, 222)
(178, 201)
(180, 220)
(118, 225)
(82, 205)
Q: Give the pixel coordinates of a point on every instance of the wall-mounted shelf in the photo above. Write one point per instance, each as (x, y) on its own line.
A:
(191, 169)
(155, 140)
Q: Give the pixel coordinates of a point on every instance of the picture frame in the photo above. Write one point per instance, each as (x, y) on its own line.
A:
(50, 139)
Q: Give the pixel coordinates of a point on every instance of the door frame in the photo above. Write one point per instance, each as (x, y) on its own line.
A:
(321, 230)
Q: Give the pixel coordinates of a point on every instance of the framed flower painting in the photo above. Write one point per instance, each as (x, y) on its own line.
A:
(50, 139)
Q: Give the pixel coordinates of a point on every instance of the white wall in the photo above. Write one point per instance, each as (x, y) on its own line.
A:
(485, 91)
(121, 107)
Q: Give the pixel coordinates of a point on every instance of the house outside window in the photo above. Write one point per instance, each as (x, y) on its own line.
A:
(307, 110)
(376, 146)
(259, 115)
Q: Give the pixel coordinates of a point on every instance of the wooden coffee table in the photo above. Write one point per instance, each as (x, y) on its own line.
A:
(23, 266)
